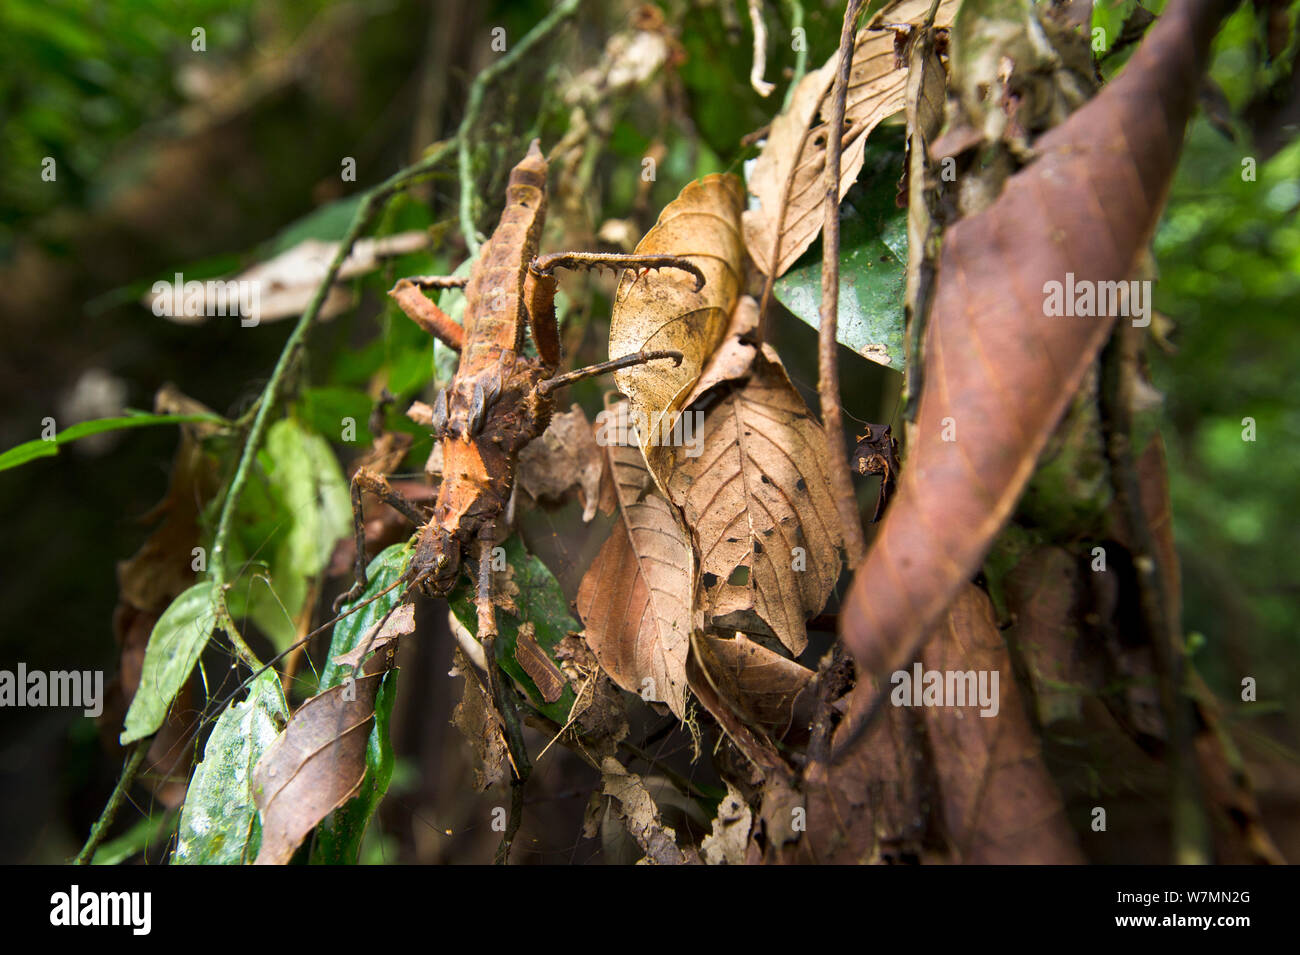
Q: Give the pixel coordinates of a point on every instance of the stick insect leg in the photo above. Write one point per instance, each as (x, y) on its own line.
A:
(505, 706)
(627, 361)
(539, 298)
(545, 264)
(412, 301)
(368, 480)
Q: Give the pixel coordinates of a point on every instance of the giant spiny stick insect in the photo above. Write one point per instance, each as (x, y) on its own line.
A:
(499, 400)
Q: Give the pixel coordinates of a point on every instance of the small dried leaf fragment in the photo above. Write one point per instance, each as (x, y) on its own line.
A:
(730, 837)
(759, 504)
(663, 310)
(638, 812)
(564, 458)
(635, 599)
(530, 656)
(476, 718)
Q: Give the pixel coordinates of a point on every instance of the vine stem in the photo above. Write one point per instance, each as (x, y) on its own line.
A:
(561, 12)
(828, 374)
(100, 829)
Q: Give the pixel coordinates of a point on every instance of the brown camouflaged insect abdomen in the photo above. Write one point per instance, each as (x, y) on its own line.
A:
(495, 309)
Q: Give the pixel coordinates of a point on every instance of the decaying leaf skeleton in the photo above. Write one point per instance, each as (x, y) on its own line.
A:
(500, 399)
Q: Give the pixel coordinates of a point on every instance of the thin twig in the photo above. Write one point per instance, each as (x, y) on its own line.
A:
(761, 86)
(828, 375)
(800, 53)
(563, 10)
(1190, 828)
(101, 827)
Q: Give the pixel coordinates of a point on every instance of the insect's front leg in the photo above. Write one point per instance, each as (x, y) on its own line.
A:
(604, 367)
(539, 294)
(546, 264)
(368, 480)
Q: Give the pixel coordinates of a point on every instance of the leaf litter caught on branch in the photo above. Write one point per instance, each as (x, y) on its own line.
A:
(1086, 205)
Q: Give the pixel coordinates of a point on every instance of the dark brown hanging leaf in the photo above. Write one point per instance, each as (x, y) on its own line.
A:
(1000, 805)
(319, 761)
(998, 370)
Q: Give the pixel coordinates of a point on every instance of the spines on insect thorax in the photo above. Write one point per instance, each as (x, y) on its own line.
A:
(496, 286)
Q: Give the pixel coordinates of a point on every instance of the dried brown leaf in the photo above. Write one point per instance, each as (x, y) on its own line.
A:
(565, 458)
(761, 684)
(638, 812)
(635, 600)
(1000, 805)
(662, 310)
(788, 178)
(759, 504)
(476, 718)
(318, 762)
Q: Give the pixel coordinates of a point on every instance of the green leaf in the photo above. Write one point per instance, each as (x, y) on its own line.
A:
(873, 261)
(42, 448)
(135, 840)
(338, 837)
(541, 602)
(324, 410)
(219, 822)
(305, 478)
(329, 223)
(177, 640)
(383, 572)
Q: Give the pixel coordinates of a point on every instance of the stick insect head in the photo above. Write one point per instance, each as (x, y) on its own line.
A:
(436, 562)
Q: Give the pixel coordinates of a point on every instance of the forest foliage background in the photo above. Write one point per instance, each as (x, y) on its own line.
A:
(174, 161)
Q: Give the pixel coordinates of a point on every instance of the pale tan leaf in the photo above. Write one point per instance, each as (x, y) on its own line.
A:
(662, 310)
(635, 599)
(726, 846)
(788, 177)
(759, 503)
(637, 809)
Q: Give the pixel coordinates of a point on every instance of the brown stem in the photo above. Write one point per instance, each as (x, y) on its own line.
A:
(1190, 828)
(828, 374)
